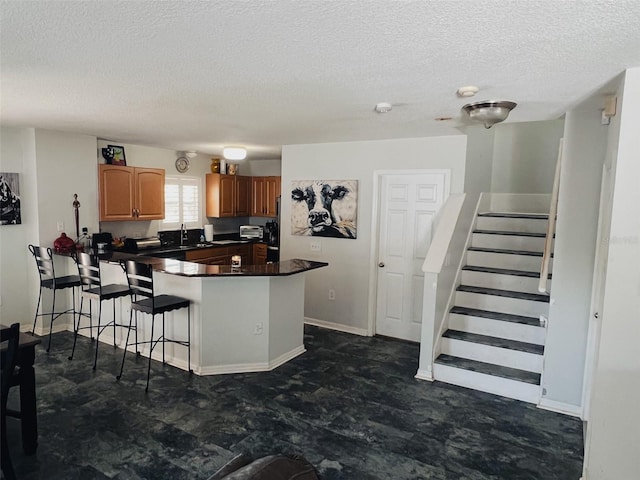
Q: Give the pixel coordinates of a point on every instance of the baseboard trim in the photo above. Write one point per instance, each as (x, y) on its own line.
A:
(424, 374)
(44, 331)
(336, 326)
(560, 407)
(251, 367)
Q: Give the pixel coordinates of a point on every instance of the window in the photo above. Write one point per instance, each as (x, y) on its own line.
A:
(182, 202)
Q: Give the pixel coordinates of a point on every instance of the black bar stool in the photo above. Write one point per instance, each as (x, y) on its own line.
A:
(92, 288)
(44, 261)
(140, 278)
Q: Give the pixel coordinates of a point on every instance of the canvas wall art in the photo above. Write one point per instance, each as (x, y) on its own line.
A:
(10, 199)
(324, 208)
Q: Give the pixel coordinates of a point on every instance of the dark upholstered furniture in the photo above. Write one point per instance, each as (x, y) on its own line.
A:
(273, 467)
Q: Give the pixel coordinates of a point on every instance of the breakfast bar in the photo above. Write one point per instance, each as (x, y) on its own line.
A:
(246, 319)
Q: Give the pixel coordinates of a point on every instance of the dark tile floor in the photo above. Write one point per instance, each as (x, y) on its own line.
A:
(350, 405)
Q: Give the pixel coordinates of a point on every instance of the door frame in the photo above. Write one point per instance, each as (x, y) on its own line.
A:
(375, 231)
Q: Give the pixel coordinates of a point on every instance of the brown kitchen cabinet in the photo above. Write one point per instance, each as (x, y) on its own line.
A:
(266, 190)
(130, 193)
(228, 195)
(219, 255)
(259, 254)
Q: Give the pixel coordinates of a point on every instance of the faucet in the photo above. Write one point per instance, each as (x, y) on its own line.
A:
(183, 234)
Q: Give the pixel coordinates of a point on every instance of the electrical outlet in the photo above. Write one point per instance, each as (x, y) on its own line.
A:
(258, 329)
(316, 246)
(332, 294)
(60, 226)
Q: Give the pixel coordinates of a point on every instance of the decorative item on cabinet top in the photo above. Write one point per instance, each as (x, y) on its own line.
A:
(114, 155)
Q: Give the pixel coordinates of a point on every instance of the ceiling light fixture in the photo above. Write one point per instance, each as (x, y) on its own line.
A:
(234, 153)
(383, 107)
(489, 112)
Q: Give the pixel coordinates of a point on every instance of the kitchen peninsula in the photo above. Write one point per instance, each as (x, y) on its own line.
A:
(249, 319)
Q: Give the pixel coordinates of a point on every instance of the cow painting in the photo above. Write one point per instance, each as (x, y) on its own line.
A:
(324, 208)
(9, 199)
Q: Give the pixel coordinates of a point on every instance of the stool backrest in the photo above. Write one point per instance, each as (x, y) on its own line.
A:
(88, 269)
(44, 260)
(140, 278)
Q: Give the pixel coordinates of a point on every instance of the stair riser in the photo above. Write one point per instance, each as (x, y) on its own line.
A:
(508, 242)
(494, 303)
(512, 224)
(497, 328)
(495, 355)
(502, 282)
(525, 392)
(503, 260)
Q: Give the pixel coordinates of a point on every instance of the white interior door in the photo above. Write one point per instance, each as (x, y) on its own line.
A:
(409, 204)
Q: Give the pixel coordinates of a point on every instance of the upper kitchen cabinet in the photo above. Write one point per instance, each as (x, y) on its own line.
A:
(228, 195)
(130, 193)
(266, 190)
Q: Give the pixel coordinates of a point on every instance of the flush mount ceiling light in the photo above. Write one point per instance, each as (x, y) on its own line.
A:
(489, 112)
(234, 153)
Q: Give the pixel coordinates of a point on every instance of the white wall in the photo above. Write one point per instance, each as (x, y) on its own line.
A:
(261, 168)
(613, 435)
(17, 155)
(53, 166)
(349, 269)
(479, 164)
(524, 156)
(585, 141)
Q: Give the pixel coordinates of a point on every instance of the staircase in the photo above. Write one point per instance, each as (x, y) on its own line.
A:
(495, 337)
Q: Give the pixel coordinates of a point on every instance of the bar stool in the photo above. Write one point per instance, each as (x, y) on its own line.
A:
(140, 278)
(44, 261)
(93, 289)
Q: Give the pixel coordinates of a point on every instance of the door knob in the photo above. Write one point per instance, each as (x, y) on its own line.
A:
(381, 264)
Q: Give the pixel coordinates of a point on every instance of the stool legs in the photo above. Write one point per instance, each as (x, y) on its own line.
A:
(95, 360)
(126, 343)
(35, 319)
(150, 352)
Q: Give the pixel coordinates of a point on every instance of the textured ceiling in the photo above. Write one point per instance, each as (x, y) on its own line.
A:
(200, 75)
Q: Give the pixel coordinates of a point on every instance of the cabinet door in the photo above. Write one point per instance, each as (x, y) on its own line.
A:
(116, 191)
(221, 195)
(227, 195)
(149, 188)
(257, 196)
(259, 254)
(243, 196)
(272, 192)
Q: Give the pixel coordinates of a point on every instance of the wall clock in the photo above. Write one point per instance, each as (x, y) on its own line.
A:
(182, 164)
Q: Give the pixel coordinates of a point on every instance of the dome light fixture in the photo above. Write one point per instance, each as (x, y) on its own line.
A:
(489, 112)
(234, 153)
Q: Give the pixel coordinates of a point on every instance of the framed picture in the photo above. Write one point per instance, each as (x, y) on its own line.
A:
(10, 199)
(324, 208)
(118, 155)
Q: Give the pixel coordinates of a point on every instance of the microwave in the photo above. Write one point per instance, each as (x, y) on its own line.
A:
(253, 232)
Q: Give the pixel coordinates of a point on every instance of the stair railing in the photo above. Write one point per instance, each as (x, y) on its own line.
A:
(551, 225)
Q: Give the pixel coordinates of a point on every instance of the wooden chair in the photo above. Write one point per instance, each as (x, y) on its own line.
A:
(93, 289)
(46, 270)
(140, 278)
(10, 335)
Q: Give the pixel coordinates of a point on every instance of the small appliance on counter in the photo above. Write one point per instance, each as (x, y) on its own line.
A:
(272, 236)
(251, 232)
(137, 244)
(104, 238)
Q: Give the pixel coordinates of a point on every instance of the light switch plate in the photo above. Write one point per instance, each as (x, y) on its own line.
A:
(316, 246)
(60, 226)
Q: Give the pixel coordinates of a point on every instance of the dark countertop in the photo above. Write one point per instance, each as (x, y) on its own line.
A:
(190, 269)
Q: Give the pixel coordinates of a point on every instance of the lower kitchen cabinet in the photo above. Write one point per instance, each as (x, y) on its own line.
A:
(259, 254)
(219, 255)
